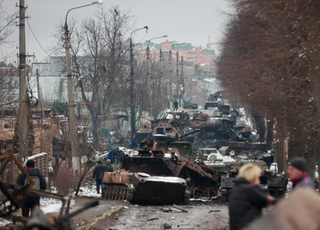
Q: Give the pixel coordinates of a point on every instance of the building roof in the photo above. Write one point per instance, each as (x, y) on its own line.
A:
(182, 46)
(154, 46)
(209, 52)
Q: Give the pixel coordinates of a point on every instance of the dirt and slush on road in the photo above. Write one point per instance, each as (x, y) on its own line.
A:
(118, 214)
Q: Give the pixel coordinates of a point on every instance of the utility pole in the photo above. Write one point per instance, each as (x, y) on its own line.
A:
(191, 87)
(149, 79)
(148, 73)
(71, 106)
(178, 82)
(23, 97)
(71, 103)
(182, 83)
(41, 106)
(132, 105)
(161, 76)
(170, 77)
(39, 92)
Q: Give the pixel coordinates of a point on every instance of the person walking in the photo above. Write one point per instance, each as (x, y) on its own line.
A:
(107, 167)
(176, 105)
(115, 155)
(297, 173)
(97, 174)
(247, 199)
(40, 183)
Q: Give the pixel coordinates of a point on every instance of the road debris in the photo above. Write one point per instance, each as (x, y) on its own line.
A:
(177, 207)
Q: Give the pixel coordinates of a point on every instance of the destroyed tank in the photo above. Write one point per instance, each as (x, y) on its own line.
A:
(144, 189)
(274, 184)
(160, 157)
(143, 133)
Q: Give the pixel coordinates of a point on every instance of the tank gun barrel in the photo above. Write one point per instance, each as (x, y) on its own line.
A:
(169, 141)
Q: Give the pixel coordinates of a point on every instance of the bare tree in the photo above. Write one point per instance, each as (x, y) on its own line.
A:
(6, 23)
(102, 71)
(269, 60)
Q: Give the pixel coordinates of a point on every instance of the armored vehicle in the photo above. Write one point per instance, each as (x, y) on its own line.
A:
(144, 189)
(162, 158)
(189, 105)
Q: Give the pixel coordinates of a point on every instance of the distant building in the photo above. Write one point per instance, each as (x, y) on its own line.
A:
(191, 55)
(51, 79)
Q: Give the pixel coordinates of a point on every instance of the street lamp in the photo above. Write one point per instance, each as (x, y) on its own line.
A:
(133, 117)
(148, 57)
(148, 73)
(161, 73)
(71, 104)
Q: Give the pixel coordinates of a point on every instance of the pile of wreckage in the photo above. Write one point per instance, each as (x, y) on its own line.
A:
(166, 168)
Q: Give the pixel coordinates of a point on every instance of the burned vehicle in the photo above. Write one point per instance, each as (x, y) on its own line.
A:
(226, 164)
(274, 184)
(161, 158)
(144, 189)
(143, 133)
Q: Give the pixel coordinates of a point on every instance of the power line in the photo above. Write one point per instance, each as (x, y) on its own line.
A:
(36, 38)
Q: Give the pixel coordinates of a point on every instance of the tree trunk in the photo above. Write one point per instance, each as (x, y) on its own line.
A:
(270, 124)
(260, 124)
(279, 152)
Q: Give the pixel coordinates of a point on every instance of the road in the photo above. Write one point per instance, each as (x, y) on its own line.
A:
(124, 215)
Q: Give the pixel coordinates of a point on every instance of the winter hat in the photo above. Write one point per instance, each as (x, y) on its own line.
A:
(30, 164)
(299, 163)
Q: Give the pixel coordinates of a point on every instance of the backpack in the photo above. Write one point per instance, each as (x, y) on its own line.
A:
(36, 182)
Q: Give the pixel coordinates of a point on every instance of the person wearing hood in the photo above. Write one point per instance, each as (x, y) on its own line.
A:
(247, 199)
(40, 183)
(297, 173)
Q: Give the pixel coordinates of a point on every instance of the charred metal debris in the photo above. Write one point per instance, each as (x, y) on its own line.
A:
(191, 154)
(13, 196)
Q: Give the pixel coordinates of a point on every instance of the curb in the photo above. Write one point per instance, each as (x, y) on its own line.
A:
(104, 216)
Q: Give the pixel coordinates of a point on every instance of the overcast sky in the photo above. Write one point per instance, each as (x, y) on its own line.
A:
(182, 20)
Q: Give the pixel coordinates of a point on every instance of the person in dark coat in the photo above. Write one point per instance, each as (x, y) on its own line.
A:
(297, 173)
(97, 174)
(176, 104)
(247, 199)
(107, 167)
(41, 183)
(115, 155)
(122, 154)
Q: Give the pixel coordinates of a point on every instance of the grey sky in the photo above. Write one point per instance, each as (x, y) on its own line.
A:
(182, 20)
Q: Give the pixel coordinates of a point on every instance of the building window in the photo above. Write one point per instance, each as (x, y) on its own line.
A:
(165, 48)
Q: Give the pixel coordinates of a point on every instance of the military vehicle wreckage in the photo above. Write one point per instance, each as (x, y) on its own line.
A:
(166, 153)
(13, 197)
(161, 157)
(143, 188)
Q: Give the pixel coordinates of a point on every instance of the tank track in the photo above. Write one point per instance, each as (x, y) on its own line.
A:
(116, 193)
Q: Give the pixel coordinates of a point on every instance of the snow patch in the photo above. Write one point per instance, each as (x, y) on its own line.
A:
(89, 191)
(50, 205)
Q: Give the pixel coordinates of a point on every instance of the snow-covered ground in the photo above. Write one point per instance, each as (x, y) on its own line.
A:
(50, 205)
(4, 222)
(89, 191)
